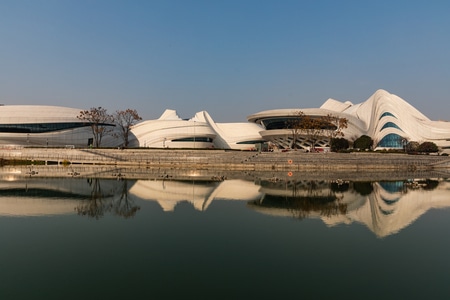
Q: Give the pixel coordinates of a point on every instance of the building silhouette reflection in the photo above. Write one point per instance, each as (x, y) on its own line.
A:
(198, 193)
(384, 207)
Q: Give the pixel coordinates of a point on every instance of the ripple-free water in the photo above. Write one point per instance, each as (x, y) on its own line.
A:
(235, 239)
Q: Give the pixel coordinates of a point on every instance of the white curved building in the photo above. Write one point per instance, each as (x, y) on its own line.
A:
(389, 120)
(386, 118)
(54, 126)
(170, 131)
(40, 126)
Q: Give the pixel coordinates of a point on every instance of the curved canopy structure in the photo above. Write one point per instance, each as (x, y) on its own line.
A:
(170, 131)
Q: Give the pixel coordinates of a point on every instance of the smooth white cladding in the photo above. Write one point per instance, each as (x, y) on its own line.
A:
(170, 131)
(389, 120)
(54, 126)
(40, 126)
(386, 118)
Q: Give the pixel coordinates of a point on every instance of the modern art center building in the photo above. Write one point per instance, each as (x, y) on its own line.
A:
(40, 126)
(54, 126)
(389, 120)
(170, 131)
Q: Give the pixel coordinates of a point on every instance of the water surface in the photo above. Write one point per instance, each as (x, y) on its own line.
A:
(232, 239)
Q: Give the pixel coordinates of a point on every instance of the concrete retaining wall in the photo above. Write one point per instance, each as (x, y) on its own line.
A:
(230, 160)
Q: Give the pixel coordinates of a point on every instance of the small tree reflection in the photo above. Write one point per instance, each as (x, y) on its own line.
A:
(97, 206)
(102, 203)
(125, 206)
(301, 207)
(307, 197)
(320, 197)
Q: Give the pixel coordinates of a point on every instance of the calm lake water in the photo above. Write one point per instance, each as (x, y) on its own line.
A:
(233, 239)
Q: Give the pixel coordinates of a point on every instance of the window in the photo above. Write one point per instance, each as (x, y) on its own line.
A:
(390, 125)
(194, 139)
(286, 123)
(391, 140)
(387, 114)
(43, 127)
(251, 142)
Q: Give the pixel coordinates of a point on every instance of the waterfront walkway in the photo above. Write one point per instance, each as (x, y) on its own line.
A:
(230, 160)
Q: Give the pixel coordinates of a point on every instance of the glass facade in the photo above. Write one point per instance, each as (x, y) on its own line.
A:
(194, 139)
(276, 123)
(391, 125)
(251, 142)
(387, 114)
(41, 127)
(287, 123)
(391, 140)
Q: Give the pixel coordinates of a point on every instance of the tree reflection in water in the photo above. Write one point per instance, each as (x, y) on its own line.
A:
(125, 206)
(102, 202)
(326, 204)
(305, 197)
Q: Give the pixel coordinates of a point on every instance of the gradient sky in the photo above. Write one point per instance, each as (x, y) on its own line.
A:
(230, 58)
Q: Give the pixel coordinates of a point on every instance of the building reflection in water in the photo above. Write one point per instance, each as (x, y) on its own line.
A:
(200, 194)
(94, 198)
(384, 207)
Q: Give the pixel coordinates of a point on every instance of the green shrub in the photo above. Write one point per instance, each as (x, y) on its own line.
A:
(364, 142)
(428, 147)
(338, 144)
(411, 147)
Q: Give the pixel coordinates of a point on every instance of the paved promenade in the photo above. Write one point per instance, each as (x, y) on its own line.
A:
(230, 160)
(219, 165)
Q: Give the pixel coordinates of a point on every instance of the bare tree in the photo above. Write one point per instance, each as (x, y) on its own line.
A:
(295, 124)
(334, 126)
(124, 119)
(99, 121)
(313, 129)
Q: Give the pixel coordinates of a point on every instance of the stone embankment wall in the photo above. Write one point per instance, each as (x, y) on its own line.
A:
(230, 160)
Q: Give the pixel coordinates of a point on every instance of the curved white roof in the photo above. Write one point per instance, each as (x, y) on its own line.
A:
(165, 131)
(383, 116)
(23, 114)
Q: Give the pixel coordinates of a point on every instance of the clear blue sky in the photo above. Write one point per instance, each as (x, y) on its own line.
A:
(230, 58)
